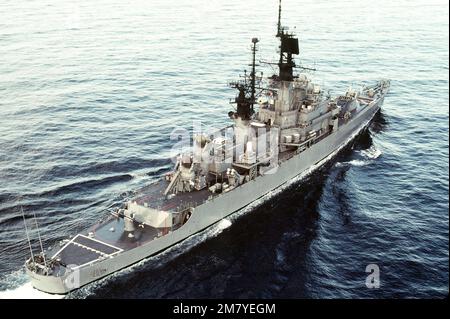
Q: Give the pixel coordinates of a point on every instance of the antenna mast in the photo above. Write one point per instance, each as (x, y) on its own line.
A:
(28, 237)
(288, 48)
(247, 90)
(40, 241)
(279, 19)
(253, 74)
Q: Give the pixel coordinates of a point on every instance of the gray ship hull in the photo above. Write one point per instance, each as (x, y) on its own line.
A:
(215, 209)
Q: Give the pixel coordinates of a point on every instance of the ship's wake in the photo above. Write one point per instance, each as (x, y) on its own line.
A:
(364, 157)
(21, 288)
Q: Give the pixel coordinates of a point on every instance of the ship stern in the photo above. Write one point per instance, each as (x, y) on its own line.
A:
(50, 281)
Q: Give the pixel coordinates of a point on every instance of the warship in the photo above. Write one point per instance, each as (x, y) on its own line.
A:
(282, 126)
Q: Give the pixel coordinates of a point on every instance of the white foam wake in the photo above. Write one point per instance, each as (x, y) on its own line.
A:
(357, 162)
(372, 153)
(223, 224)
(369, 155)
(26, 291)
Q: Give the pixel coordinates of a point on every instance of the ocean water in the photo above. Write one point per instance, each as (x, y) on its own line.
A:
(90, 92)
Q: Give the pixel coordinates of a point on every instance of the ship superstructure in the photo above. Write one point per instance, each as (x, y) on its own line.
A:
(281, 126)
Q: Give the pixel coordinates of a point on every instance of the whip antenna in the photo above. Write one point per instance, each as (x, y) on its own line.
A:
(28, 236)
(40, 241)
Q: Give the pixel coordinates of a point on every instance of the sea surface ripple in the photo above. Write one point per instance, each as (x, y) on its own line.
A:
(91, 90)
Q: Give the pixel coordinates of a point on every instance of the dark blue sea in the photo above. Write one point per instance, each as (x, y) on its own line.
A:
(90, 92)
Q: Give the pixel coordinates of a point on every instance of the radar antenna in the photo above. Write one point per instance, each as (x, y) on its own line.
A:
(288, 47)
(279, 19)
